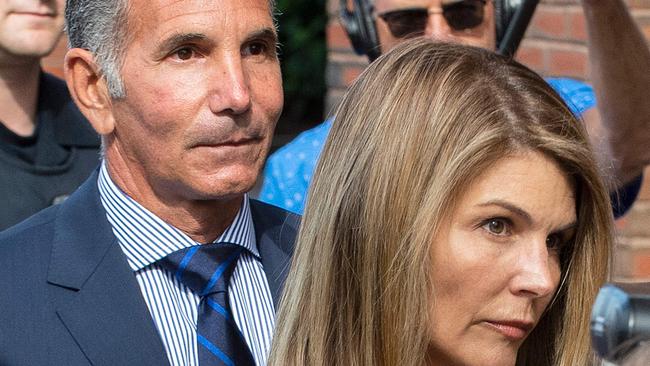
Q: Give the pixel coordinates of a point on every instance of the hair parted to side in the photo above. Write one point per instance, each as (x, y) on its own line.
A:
(410, 136)
(100, 26)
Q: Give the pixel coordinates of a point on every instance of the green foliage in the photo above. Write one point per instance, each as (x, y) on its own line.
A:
(303, 56)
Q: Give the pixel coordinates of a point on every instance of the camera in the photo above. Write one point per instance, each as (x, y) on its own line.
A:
(620, 319)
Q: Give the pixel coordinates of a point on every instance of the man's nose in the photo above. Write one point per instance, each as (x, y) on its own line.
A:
(437, 27)
(535, 274)
(231, 92)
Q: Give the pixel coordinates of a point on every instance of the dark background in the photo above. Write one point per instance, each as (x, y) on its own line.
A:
(303, 55)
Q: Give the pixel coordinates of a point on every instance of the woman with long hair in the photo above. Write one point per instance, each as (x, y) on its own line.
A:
(457, 216)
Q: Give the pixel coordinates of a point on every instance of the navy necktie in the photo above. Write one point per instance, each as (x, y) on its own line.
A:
(206, 270)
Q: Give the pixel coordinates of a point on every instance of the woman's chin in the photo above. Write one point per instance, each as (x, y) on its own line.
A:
(473, 356)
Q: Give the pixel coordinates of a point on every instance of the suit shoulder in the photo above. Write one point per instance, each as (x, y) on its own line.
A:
(275, 224)
(25, 251)
(271, 213)
(36, 229)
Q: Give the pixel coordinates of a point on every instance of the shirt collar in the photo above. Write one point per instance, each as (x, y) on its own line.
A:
(145, 238)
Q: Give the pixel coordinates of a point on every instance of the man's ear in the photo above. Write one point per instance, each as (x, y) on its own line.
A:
(89, 90)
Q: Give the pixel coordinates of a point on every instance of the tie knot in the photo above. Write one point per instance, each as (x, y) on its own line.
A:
(206, 268)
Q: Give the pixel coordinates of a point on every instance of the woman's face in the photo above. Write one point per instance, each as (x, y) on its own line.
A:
(496, 260)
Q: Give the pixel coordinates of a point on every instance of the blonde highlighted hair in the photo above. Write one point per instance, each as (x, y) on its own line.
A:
(409, 137)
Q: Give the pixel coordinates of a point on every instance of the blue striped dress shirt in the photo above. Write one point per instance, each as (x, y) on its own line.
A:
(145, 238)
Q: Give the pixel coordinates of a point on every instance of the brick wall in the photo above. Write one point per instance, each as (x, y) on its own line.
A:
(53, 63)
(555, 45)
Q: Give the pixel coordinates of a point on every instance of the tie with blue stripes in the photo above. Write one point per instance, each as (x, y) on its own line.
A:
(206, 270)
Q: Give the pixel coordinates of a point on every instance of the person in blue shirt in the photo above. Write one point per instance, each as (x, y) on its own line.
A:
(618, 127)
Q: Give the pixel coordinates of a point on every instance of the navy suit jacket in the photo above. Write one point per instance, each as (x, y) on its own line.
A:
(68, 296)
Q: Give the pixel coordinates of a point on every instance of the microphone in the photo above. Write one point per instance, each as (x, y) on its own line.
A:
(620, 319)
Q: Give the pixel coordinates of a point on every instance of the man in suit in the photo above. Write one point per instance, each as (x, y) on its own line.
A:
(185, 95)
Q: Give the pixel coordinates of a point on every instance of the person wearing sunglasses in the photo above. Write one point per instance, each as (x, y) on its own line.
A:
(619, 127)
(462, 21)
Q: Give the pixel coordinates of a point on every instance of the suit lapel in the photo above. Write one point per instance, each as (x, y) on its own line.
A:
(98, 298)
(275, 231)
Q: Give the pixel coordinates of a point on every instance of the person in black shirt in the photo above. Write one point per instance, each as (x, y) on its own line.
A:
(47, 148)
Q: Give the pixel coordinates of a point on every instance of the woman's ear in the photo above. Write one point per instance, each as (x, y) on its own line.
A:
(89, 90)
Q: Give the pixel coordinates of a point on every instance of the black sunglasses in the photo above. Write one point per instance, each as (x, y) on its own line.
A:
(412, 22)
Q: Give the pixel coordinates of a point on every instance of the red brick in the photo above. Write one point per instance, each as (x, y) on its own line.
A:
(577, 25)
(55, 59)
(641, 264)
(549, 22)
(336, 36)
(621, 268)
(638, 4)
(646, 31)
(350, 73)
(58, 71)
(568, 63)
(561, 2)
(531, 56)
(636, 221)
(53, 63)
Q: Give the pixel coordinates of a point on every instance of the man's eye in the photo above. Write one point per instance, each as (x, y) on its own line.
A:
(184, 53)
(255, 49)
(499, 227)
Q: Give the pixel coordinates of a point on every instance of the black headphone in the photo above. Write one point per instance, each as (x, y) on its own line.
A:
(511, 18)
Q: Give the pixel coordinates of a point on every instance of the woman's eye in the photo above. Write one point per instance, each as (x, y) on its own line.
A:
(553, 241)
(497, 227)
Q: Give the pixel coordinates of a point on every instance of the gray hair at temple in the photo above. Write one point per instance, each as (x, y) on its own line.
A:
(100, 26)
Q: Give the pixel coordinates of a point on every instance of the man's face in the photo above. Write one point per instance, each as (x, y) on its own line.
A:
(30, 27)
(437, 27)
(203, 94)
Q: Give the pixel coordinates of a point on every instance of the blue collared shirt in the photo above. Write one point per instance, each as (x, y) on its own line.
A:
(144, 238)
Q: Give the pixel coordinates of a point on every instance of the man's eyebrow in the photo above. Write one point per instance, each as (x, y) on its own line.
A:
(264, 33)
(510, 207)
(178, 39)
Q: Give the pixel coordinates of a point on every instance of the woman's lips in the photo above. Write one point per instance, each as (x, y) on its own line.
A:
(512, 329)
